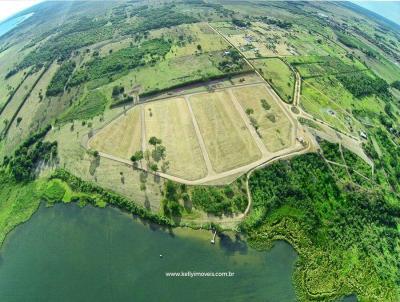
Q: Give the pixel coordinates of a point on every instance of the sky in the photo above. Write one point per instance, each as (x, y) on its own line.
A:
(11, 7)
(388, 9)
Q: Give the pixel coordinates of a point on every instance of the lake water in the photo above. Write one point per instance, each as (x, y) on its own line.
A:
(65, 253)
(8, 25)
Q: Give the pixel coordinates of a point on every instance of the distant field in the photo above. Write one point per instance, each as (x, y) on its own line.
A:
(259, 39)
(274, 126)
(170, 120)
(279, 75)
(122, 137)
(228, 142)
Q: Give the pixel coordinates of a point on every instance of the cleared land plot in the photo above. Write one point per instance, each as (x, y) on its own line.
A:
(20, 129)
(170, 120)
(275, 128)
(18, 98)
(122, 137)
(279, 75)
(228, 142)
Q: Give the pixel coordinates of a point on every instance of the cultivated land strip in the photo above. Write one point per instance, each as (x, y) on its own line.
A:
(210, 170)
(244, 117)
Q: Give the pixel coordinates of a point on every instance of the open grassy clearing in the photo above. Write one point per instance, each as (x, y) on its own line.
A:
(279, 75)
(228, 142)
(17, 99)
(170, 120)
(122, 137)
(25, 124)
(166, 74)
(275, 128)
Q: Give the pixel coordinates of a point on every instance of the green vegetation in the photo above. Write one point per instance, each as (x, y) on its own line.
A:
(54, 192)
(91, 105)
(360, 84)
(336, 228)
(18, 201)
(86, 192)
(149, 52)
(71, 37)
(316, 66)
(26, 158)
(60, 79)
(279, 75)
(154, 18)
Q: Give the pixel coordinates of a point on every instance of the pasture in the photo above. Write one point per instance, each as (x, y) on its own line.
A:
(279, 75)
(18, 98)
(170, 121)
(122, 137)
(274, 127)
(228, 142)
(26, 123)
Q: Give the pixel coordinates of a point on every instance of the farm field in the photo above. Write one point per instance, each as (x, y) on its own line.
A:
(228, 142)
(27, 123)
(275, 128)
(170, 121)
(122, 137)
(278, 74)
(18, 98)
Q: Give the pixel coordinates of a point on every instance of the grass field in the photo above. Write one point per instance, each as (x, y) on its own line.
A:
(8, 59)
(276, 132)
(170, 120)
(228, 142)
(279, 75)
(91, 104)
(122, 137)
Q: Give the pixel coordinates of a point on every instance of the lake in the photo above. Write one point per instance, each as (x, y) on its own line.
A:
(8, 25)
(67, 253)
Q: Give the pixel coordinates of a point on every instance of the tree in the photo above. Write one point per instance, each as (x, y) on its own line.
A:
(198, 47)
(154, 141)
(137, 156)
(153, 167)
(158, 153)
(249, 111)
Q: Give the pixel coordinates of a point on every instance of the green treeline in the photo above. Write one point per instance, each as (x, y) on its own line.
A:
(154, 18)
(60, 79)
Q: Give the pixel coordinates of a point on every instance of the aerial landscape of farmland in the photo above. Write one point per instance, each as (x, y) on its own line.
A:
(239, 150)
